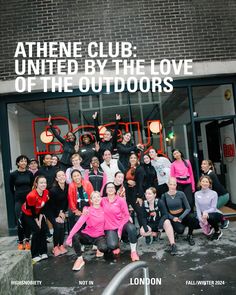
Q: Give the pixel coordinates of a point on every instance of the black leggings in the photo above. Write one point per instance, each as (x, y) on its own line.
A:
(23, 231)
(131, 199)
(187, 189)
(190, 221)
(58, 232)
(81, 238)
(214, 219)
(39, 238)
(128, 233)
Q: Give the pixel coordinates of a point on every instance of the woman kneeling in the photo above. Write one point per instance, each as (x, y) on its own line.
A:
(92, 234)
(117, 224)
(155, 219)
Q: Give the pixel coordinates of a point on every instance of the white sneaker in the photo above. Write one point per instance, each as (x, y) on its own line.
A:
(44, 256)
(36, 259)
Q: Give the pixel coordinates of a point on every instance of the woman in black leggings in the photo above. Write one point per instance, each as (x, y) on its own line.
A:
(179, 211)
(92, 234)
(134, 182)
(117, 222)
(57, 207)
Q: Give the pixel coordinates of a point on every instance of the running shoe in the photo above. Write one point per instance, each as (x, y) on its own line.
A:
(216, 236)
(225, 224)
(62, 249)
(134, 256)
(44, 256)
(36, 259)
(27, 246)
(190, 240)
(149, 240)
(116, 251)
(173, 249)
(56, 251)
(20, 246)
(79, 263)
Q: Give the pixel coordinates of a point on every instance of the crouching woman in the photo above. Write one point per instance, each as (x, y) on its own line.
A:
(208, 215)
(155, 219)
(92, 234)
(117, 224)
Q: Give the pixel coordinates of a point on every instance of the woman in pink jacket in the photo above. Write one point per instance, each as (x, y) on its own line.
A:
(117, 224)
(182, 170)
(92, 234)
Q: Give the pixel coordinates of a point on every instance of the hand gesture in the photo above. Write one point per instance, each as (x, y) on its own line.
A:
(139, 201)
(97, 146)
(49, 119)
(95, 115)
(118, 117)
(76, 147)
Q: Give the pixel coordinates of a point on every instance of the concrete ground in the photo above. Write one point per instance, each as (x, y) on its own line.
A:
(206, 268)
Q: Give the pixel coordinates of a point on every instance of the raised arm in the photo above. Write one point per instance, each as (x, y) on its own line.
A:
(55, 133)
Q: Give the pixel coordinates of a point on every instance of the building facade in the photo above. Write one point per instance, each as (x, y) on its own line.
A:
(198, 116)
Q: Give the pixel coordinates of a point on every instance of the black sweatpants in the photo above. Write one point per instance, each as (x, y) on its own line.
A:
(23, 231)
(81, 238)
(131, 199)
(128, 233)
(39, 238)
(214, 219)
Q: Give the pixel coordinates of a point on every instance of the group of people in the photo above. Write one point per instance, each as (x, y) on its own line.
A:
(101, 196)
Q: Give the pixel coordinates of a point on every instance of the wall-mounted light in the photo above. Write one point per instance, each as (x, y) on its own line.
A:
(102, 130)
(46, 137)
(155, 126)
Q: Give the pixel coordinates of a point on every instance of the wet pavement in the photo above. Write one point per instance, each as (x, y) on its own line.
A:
(206, 268)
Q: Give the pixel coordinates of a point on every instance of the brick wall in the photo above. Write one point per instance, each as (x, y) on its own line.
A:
(203, 30)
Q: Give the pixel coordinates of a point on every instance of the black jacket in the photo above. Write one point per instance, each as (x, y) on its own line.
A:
(124, 151)
(68, 147)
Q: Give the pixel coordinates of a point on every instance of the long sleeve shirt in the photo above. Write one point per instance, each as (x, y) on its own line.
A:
(116, 213)
(21, 184)
(58, 200)
(68, 147)
(183, 172)
(160, 211)
(205, 201)
(35, 203)
(216, 185)
(176, 202)
(95, 221)
(162, 167)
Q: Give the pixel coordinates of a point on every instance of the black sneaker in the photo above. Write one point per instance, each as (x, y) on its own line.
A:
(190, 240)
(173, 249)
(225, 224)
(168, 249)
(149, 240)
(216, 236)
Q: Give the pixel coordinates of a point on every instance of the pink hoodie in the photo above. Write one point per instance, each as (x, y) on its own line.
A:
(178, 169)
(116, 213)
(94, 219)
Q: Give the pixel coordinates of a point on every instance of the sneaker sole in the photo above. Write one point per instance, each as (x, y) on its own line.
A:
(226, 226)
(78, 268)
(221, 234)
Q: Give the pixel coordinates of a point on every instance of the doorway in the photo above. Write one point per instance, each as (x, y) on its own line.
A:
(216, 142)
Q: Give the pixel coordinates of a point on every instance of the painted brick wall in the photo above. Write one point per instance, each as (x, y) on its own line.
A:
(203, 30)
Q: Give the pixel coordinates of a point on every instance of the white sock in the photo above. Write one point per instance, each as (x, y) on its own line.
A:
(133, 247)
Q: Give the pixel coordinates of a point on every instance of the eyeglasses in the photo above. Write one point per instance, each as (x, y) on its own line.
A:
(110, 187)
